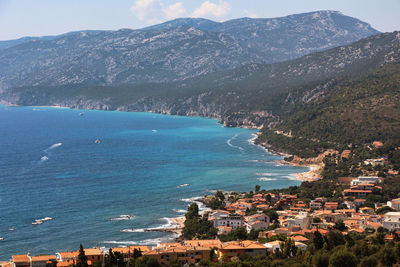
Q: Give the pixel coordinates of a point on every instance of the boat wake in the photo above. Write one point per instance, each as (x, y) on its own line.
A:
(52, 147)
(229, 143)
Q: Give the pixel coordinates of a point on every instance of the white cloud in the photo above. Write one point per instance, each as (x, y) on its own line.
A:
(147, 10)
(154, 11)
(211, 10)
(250, 14)
(174, 11)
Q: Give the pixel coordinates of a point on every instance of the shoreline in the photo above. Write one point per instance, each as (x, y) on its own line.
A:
(313, 174)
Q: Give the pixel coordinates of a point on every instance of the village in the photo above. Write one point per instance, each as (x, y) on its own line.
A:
(269, 219)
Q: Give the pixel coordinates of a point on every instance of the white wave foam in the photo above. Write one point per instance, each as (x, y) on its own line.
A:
(253, 139)
(140, 230)
(123, 217)
(154, 131)
(267, 174)
(264, 179)
(120, 242)
(190, 199)
(179, 210)
(44, 158)
(229, 143)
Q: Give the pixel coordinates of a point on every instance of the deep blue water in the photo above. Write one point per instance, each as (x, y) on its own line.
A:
(50, 166)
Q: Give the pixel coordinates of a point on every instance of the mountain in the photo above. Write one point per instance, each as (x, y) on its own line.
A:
(252, 94)
(173, 51)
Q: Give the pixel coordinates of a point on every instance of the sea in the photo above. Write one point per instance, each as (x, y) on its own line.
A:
(103, 177)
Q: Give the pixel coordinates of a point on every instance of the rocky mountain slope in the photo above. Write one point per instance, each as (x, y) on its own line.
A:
(172, 51)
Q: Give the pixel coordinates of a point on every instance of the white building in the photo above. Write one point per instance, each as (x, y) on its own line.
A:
(220, 218)
(302, 220)
(394, 204)
(365, 180)
(257, 221)
(391, 220)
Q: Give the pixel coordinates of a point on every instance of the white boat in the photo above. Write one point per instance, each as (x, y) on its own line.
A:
(46, 219)
(97, 141)
(183, 185)
(81, 114)
(1, 239)
(11, 229)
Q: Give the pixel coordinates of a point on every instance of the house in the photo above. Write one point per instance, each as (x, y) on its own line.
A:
(127, 252)
(257, 221)
(237, 248)
(391, 220)
(394, 204)
(42, 260)
(302, 220)
(177, 252)
(331, 205)
(345, 154)
(356, 193)
(274, 246)
(365, 179)
(223, 230)
(374, 162)
(94, 254)
(226, 219)
(377, 144)
(21, 260)
(315, 204)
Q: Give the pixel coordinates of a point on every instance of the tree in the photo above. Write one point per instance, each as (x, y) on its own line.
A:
(137, 253)
(82, 258)
(193, 212)
(257, 188)
(146, 261)
(388, 256)
(272, 214)
(321, 259)
(318, 240)
(370, 261)
(220, 195)
(342, 259)
(339, 225)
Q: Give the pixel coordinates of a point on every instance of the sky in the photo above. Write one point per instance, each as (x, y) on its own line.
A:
(20, 18)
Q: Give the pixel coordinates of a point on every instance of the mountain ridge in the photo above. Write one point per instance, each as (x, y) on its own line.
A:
(178, 53)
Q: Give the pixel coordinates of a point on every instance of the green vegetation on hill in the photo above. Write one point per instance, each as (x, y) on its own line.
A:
(357, 110)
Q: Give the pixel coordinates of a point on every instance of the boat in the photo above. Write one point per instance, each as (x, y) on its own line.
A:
(11, 229)
(81, 114)
(46, 219)
(36, 222)
(1, 238)
(183, 185)
(97, 141)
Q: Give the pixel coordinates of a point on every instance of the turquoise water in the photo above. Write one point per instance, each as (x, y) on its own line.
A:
(50, 166)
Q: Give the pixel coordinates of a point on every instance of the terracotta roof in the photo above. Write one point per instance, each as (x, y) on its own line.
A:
(299, 238)
(43, 258)
(93, 251)
(20, 258)
(130, 249)
(246, 244)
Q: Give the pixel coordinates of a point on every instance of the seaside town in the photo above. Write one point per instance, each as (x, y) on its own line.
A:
(348, 220)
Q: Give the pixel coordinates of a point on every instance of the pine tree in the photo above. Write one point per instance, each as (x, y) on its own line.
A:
(82, 259)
